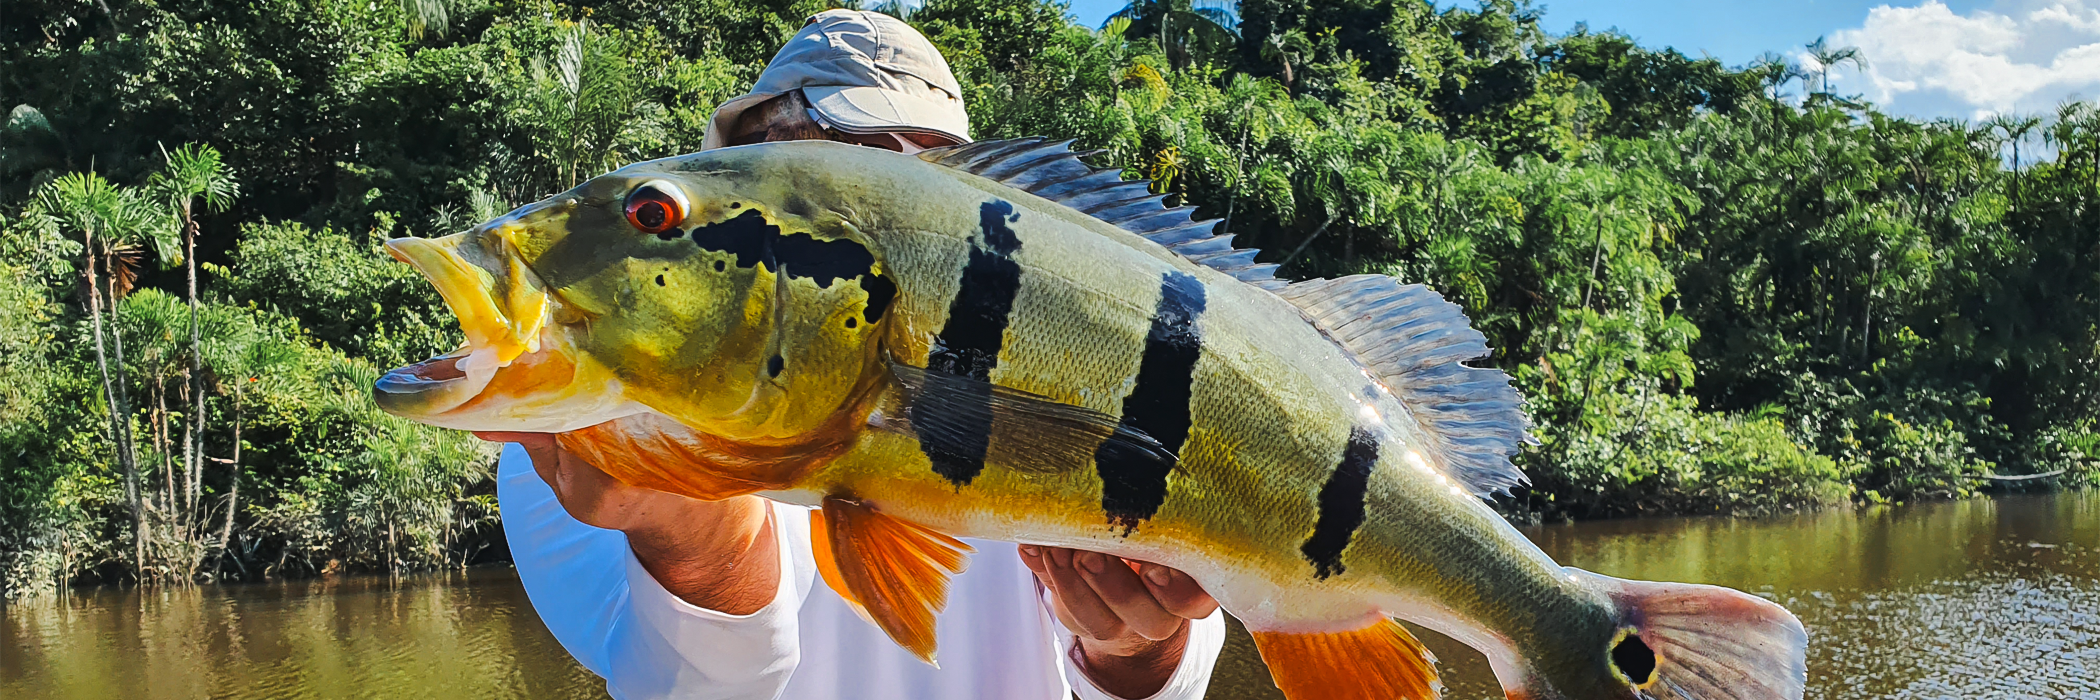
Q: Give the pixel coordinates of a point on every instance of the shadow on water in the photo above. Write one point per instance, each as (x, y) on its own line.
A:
(1971, 599)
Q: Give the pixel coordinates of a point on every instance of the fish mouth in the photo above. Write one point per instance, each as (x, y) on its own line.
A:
(501, 307)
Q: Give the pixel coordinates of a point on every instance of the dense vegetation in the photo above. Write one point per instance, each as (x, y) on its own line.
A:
(1721, 288)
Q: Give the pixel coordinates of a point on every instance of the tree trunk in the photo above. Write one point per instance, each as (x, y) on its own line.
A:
(129, 444)
(1239, 161)
(1866, 316)
(118, 432)
(192, 444)
(233, 490)
(1309, 239)
(170, 484)
(1596, 257)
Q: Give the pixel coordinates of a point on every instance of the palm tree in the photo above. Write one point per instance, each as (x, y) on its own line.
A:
(586, 101)
(1257, 120)
(2016, 129)
(433, 16)
(244, 360)
(1827, 58)
(1775, 71)
(1206, 23)
(112, 222)
(1287, 47)
(154, 320)
(193, 173)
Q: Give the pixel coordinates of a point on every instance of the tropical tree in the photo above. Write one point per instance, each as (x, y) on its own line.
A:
(433, 16)
(583, 98)
(1828, 57)
(2014, 129)
(113, 223)
(154, 321)
(195, 178)
(1774, 72)
(245, 359)
(1287, 48)
(1183, 28)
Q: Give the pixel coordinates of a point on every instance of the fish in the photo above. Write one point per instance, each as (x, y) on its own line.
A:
(998, 341)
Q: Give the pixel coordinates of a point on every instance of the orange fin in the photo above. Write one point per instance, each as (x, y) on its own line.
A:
(1380, 662)
(655, 452)
(894, 572)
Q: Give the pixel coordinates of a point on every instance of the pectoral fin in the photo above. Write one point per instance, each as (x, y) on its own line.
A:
(1380, 662)
(892, 571)
(652, 451)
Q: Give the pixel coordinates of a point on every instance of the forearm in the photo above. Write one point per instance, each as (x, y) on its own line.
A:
(719, 555)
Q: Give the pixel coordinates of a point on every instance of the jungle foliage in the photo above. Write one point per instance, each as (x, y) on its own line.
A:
(1722, 289)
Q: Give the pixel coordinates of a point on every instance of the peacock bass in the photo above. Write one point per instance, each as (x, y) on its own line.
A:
(995, 340)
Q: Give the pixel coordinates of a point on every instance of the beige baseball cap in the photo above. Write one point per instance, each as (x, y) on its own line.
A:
(862, 73)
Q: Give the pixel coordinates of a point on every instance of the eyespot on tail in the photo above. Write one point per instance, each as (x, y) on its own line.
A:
(1681, 641)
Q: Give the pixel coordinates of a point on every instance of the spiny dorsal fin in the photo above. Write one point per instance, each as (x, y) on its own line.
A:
(1051, 170)
(1413, 340)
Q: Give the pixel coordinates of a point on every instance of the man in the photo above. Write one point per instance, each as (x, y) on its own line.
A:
(666, 596)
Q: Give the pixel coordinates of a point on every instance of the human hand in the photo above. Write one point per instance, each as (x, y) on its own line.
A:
(1131, 618)
(719, 555)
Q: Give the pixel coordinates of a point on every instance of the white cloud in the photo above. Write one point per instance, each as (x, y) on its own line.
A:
(2018, 56)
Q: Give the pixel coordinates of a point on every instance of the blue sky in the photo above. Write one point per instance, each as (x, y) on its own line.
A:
(1925, 58)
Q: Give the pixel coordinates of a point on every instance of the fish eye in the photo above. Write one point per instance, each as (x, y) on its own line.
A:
(655, 206)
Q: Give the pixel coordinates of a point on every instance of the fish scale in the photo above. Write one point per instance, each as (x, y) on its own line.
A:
(997, 341)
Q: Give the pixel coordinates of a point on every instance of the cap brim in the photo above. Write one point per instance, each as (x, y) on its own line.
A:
(869, 110)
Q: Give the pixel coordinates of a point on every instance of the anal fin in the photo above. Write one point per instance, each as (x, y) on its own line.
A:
(1380, 662)
(894, 572)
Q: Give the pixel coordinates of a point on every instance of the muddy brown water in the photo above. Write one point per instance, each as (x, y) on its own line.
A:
(1973, 599)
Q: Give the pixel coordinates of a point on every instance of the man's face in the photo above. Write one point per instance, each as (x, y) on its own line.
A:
(787, 118)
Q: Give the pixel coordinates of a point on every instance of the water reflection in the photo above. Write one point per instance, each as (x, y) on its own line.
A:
(452, 636)
(1975, 599)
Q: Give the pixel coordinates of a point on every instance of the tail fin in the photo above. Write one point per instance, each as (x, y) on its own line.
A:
(1694, 642)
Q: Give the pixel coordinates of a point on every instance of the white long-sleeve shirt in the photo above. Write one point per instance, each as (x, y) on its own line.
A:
(997, 638)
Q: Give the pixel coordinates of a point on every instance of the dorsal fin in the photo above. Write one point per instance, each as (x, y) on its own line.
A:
(1052, 170)
(1412, 340)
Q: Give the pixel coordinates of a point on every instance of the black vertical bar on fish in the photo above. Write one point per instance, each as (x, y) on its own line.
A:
(1342, 503)
(1134, 483)
(968, 346)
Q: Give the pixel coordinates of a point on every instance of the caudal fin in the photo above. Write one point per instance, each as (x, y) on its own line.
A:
(1681, 640)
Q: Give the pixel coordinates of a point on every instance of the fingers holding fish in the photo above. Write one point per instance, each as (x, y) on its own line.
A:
(590, 495)
(1177, 592)
(1124, 592)
(718, 555)
(540, 447)
(1106, 598)
(1076, 603)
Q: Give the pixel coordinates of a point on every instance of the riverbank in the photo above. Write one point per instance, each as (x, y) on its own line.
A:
(1921, 600)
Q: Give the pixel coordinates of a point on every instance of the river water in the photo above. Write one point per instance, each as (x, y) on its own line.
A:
(1972, 599)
